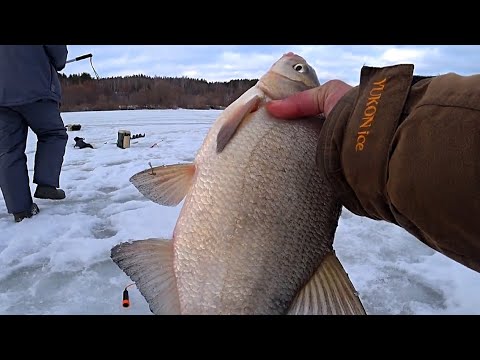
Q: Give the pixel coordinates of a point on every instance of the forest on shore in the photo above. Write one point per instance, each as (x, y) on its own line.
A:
(81, 92)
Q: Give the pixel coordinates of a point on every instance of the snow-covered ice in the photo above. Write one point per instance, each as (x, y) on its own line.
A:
(58, 261)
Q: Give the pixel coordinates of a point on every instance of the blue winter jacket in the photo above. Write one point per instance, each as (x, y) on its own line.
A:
(29, 73)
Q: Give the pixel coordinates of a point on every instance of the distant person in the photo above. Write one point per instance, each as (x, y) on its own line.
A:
(403, 149)
(30, 96)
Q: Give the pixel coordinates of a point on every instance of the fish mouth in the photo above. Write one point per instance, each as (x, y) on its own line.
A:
(266, 90)
(301, 84)
(292, 54)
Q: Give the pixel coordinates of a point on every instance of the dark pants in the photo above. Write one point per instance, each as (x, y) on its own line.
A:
(43, 117)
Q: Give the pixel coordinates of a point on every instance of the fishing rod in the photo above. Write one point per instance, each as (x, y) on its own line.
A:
(79, 58)
(86, 56)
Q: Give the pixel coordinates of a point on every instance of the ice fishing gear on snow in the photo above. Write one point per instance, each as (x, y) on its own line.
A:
(73, 127)
(123, 139)
(125, 297)
(80, 143)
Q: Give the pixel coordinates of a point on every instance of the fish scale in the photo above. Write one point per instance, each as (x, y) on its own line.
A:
(268, 224)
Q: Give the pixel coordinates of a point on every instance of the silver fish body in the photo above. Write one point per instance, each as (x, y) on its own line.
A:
(255, 233)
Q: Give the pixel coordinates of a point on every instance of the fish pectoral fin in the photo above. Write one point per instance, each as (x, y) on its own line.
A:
(234, 119)
(166, 185)
(328, 292)
(149, 263)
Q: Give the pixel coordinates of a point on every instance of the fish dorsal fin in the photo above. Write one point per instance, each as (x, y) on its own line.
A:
(149, 263)
(166, 185)
(235, 118)
(328, 292)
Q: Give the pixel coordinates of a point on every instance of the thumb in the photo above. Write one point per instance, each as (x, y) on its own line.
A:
(312, 102)
(302, 104)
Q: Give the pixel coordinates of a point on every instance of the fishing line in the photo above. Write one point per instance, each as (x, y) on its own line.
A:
(91, 63)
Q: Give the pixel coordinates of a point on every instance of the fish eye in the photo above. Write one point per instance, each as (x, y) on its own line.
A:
(301, 68)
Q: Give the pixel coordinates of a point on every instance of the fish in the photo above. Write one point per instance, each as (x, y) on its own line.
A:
(255, 232)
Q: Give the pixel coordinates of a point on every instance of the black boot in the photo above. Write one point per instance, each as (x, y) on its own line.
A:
(49, 192)
(26, 214)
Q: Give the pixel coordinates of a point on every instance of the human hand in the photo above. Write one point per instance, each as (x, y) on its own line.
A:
(312, 102)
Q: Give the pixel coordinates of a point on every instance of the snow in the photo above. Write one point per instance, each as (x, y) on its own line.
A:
(58, 261)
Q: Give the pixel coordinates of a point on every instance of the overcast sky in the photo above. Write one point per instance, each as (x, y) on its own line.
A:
(227, 62)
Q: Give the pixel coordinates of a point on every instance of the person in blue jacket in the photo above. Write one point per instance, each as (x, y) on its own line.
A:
(30, 97)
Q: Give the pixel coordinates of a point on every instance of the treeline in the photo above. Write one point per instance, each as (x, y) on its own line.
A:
(83, 93)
